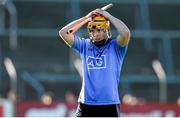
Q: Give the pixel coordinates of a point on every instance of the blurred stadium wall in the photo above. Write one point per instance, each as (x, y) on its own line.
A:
(44, 65)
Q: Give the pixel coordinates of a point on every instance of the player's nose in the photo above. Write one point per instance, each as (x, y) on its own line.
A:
(96, 33)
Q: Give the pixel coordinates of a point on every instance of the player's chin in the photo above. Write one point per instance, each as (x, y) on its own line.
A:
(98, 39)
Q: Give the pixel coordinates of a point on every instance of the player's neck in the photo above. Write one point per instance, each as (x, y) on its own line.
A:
(99, 44)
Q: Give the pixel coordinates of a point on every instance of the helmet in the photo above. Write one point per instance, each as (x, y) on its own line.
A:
(98, 22)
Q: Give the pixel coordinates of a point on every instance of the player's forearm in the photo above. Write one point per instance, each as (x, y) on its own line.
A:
(67, 32)
(119, 25)
(122, 29)
(74, 26)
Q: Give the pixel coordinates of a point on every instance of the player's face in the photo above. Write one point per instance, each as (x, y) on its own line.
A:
(98, 35)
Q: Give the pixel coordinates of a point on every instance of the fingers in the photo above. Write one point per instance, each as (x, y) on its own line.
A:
(101, 12)
(97, 12)
(92, 14)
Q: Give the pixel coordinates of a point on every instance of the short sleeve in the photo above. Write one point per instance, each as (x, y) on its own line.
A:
(120, 50)
(78, 44)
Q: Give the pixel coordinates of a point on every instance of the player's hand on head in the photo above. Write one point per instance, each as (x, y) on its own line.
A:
(103, 13)
(92, 14)
(97, 12)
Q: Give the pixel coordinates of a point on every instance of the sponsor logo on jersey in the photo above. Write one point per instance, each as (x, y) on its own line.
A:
(96, 62)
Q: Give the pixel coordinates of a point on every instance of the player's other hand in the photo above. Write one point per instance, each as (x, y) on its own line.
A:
(92, 14)
(97, 12)
(103, 13)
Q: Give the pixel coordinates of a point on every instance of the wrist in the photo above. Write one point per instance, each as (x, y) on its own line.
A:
(109, 17)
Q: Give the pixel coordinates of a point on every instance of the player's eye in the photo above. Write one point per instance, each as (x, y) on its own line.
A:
(94, 27)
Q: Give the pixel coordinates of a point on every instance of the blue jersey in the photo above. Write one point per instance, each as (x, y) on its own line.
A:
(101, 71)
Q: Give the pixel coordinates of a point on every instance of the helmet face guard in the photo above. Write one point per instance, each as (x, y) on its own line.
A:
(98, 23)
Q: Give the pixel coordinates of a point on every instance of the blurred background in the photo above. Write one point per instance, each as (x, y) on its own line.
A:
(39, 73)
